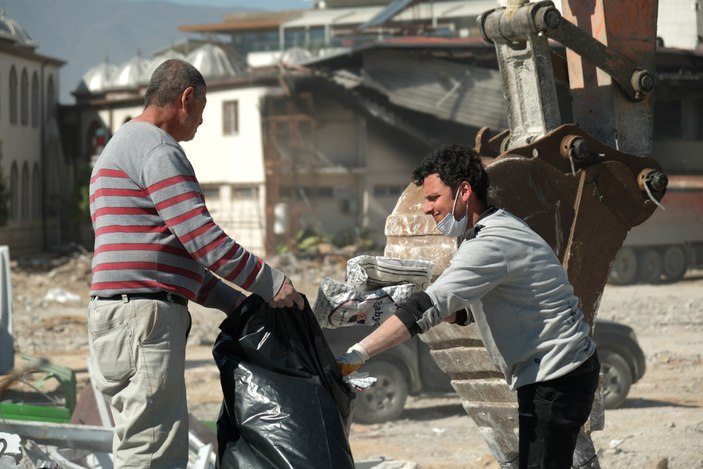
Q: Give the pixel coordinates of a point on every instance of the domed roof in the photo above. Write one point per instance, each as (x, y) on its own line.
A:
(161, 58)
(12, 30)
(97, 78)
(131, 73)
(295, 55)
(212, 61)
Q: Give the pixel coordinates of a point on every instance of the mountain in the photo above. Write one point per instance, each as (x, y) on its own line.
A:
(86, 32)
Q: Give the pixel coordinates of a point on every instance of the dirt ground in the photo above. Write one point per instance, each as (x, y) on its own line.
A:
(660, 425)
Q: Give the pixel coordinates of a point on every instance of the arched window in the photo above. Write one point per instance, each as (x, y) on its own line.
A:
(25, 198)
(36, 192)
(50, 97)
(14, 192)
(35, 100)
(24, 98)
(13, 95)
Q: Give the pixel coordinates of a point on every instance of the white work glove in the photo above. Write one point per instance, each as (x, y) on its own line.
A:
(353, 359)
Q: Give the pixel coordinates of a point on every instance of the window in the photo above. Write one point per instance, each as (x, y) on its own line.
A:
(294, 38)
(36, 193)
(211, 193)
(35, 100)
(667, 119)
(50, 98)
(307, 192)
(387, 191)
(14, 192)
(245, 193)
(230, 117)
(317, 37)
(24, 101)
(25, 198)
(212, 199)
(13, 95)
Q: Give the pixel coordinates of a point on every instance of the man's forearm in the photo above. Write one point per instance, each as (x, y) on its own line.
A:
(389, 334)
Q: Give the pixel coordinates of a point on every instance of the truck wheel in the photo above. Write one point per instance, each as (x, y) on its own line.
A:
(624, 270)
(616, 379)
(386, 398)
(675, 264)
(651, 266)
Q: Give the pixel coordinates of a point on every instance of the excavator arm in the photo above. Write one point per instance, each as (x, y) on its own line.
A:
(581, 186)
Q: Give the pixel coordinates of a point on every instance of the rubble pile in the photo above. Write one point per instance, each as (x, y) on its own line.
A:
(662, 419)
(33, 277)
(50, 295)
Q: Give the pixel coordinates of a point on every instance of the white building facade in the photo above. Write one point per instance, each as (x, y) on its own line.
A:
(680, 23)
(31, 157)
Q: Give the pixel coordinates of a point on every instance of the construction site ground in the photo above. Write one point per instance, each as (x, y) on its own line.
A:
(660, 425)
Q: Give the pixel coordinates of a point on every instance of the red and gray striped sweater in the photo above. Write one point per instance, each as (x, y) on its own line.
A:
(153, 231)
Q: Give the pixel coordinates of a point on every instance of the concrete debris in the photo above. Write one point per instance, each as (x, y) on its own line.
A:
(10, 449)
(65, 280)
(615, 443)
(62, 296)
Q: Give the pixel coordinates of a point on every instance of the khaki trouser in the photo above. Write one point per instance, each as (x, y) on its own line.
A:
(137, 350)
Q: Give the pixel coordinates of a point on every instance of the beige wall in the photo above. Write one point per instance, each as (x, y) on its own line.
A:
(26, 237)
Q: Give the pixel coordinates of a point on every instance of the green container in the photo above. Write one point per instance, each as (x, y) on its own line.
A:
(36, 413)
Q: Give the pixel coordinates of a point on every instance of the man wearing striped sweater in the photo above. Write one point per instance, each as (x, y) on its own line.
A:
(156, 248)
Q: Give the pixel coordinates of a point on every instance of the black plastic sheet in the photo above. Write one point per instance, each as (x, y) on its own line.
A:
(285, 403)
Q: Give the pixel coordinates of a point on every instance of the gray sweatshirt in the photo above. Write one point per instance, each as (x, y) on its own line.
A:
(520, 298)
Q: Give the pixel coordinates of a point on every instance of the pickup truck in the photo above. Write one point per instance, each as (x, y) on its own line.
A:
(409, 370)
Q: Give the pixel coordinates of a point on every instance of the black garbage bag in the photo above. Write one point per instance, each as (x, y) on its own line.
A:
(285, 403)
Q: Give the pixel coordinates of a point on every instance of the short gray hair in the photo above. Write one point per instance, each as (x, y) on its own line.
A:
(170, 79)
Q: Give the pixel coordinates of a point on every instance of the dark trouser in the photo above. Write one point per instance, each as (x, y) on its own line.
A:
(551, 414)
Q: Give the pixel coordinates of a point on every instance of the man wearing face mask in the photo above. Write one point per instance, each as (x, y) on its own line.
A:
(508, 280)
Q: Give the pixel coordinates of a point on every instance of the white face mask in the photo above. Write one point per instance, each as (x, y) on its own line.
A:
(450, 226)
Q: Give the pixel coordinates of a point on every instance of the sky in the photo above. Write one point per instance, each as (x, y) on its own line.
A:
(87, 42)
(259, 4)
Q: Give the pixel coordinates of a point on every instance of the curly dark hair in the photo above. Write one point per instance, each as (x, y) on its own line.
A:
(454, 163)
(170, 79)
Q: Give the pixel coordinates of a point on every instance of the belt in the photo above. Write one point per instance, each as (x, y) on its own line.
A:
(161, 296)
